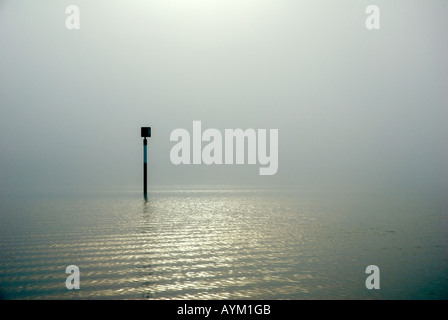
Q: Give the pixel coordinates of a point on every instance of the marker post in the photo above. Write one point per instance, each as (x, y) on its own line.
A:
(146, 133)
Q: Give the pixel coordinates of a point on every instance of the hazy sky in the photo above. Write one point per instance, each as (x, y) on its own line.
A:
(352, 106)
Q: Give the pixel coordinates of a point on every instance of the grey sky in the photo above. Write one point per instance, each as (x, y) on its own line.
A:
(352, 106)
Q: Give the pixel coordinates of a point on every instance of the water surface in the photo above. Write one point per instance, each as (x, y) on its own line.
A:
(224, 243)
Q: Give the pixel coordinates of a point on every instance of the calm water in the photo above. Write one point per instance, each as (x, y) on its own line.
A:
(224, 244)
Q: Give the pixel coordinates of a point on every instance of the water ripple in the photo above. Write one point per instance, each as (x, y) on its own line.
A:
(190, 245)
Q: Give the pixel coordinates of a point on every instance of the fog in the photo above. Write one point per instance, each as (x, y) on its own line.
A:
(353, 107)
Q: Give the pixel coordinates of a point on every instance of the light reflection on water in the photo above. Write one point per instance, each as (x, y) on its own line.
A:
(222, 244)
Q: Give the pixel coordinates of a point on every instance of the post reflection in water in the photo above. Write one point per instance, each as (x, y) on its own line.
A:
(146, 274)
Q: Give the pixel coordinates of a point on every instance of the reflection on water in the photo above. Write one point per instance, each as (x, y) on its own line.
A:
(222, 244)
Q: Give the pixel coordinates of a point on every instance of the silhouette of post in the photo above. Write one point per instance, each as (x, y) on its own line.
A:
(146, 132)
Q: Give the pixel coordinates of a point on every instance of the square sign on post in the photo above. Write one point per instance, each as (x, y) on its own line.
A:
(146, 132)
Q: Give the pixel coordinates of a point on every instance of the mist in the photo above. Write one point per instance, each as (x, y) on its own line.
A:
(353, 107)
